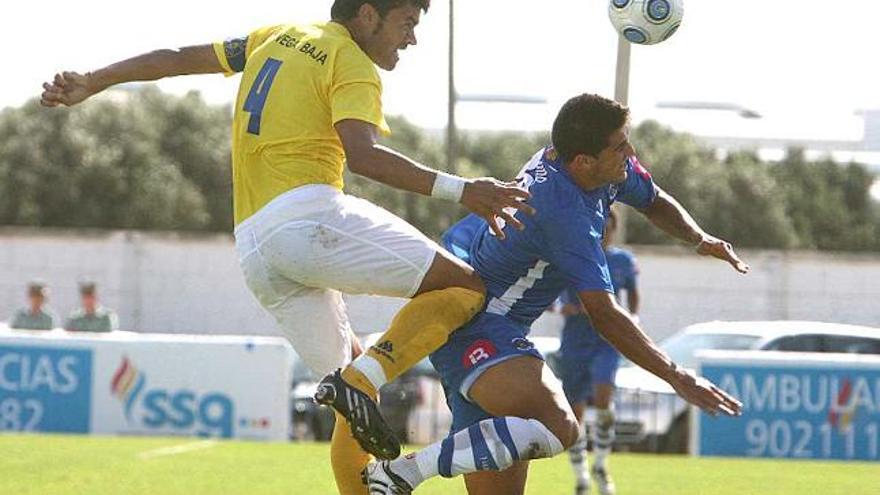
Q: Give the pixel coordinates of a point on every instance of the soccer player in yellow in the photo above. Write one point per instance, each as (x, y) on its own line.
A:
(310, 101)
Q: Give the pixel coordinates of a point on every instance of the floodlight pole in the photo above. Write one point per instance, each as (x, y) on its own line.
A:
(621, 81)
(621, 95)
(451, 134)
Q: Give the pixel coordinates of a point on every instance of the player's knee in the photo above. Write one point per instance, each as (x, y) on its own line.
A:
(572, 432)
(565, 428)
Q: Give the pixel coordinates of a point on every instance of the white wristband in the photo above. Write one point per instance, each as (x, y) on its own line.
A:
(447, 186)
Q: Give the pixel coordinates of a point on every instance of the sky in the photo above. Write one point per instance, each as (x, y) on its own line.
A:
(807, 66)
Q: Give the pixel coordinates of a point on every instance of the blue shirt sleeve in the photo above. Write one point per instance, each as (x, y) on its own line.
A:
(573, 242)
(638, 189)
(459, 239)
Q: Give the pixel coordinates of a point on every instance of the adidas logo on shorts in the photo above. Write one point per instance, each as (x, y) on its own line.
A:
(384, 349)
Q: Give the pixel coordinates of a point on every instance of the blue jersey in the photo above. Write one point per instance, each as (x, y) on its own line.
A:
(624, 273)
(624, 270)
(561, 245)
(578, 335)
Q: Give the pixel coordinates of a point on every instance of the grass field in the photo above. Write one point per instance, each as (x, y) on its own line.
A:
(58, 465)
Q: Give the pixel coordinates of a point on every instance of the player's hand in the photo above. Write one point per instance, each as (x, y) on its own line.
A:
(704, 394)
(67, 88)
(496, 202)
(721, 249)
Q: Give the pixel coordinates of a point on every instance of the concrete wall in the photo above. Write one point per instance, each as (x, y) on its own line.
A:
(681, 288)
(175, 283)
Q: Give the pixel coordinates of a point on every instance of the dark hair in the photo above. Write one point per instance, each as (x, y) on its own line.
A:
(584, 124)
(344, 10)
(37, 288)
(88, 288)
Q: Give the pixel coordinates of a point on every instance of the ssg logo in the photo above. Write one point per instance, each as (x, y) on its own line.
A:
(182, 411)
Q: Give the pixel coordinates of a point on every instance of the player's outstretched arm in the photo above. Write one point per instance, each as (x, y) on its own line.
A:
(667, 214)
(487, 197)
(70, 88)
(624, 334)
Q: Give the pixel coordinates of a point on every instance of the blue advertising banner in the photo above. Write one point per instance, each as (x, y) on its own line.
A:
(45, 389)
(795, 409)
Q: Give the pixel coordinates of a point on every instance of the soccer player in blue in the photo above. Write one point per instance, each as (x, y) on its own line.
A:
(507, 406)
(588, 365)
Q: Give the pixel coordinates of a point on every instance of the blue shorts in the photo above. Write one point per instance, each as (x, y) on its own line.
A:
(582, 368)
(485, 341)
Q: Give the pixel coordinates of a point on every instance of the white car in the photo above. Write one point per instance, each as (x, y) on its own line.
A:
(650, 414)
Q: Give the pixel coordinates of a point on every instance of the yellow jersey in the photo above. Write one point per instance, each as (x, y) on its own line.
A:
(297, 82)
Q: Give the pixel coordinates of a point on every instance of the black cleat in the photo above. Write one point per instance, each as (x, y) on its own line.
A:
(360, 411)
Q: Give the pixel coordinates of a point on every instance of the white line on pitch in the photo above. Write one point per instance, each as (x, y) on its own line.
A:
(177, 449)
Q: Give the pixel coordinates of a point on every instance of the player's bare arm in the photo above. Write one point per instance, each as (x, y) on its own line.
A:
(487, 197)
(618, 327)
(633, 299)
(70, 88)
(671, 217)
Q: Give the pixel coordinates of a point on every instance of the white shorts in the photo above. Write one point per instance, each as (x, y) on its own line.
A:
(308, 245)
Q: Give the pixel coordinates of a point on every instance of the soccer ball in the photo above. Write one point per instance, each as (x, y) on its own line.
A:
(646, 22)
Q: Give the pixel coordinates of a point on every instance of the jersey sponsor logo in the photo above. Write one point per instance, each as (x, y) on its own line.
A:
(478, 352)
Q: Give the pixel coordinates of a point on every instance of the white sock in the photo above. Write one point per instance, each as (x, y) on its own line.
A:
(603, 436)
(370, 369)
(490, 445)
(577, 456)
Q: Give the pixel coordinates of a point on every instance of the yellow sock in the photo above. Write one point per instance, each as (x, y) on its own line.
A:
(347, 459)
(359, 381)
(418, 329)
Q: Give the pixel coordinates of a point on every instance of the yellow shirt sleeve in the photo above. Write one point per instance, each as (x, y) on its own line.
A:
(356, 92)
(234, 52)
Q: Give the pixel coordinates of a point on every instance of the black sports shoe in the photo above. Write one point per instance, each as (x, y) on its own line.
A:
(360, 411)
(381, 480)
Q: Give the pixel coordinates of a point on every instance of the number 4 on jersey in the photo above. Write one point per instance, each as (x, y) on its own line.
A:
(256, 98)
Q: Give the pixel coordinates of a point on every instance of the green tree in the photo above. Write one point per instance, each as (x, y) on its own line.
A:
(737, 198)
(196, 136)
(147, 160)
(102, 165)
(429, 216)
(829, 204)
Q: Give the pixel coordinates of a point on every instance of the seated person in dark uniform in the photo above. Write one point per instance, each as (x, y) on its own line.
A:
(91, 317)
(37, 315)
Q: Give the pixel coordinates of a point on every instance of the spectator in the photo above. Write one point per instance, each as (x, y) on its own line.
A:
(37, 316)
(91, 317)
